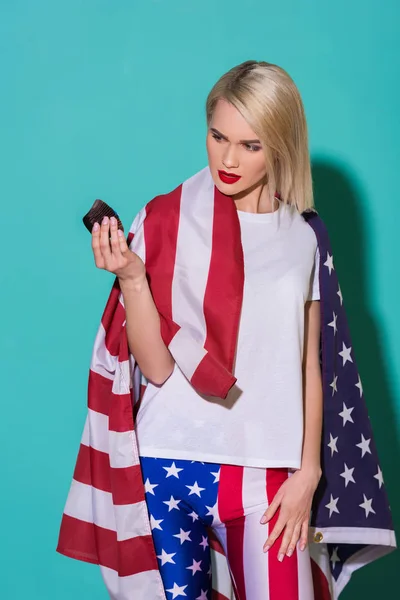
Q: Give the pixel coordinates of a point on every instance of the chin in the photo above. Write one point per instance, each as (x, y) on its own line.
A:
(229, 189)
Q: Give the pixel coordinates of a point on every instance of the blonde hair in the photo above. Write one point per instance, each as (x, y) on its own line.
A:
(268, 99)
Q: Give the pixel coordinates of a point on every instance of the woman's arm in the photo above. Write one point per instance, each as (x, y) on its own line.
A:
(312, 390)
(143, 331)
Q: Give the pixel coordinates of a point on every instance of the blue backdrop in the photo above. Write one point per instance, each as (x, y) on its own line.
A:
(103, 99)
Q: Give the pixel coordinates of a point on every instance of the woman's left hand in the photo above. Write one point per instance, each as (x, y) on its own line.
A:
(294, 498)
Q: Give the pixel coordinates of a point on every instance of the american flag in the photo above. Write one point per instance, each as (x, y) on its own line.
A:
(195, 230)
(351, 522)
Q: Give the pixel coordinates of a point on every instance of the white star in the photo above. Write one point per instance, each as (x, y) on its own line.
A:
(329, 263)
(194, 516)
(184, 536)
(177, 590)
(332, 444)
(216, 475)
(366, 505)
(166, 558)
(154, 523)
(333, 323)
(364, 445)
(339, 293)
(204, 542)
(212, 511)
(335, 558)
(345, 354)
(172, 471)
(203, 595)
(149, 487)
(359, 385)
(379, 477)
(195, 566)
(172, 503)
(347, 475)
(195, 489)
(332, 506)
(334, 384)
(346, 414)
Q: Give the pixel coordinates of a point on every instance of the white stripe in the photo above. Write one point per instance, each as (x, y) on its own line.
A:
(97, 431)
(119, 445)
(254, 559)
(122, 381)
(132, 520)
(86, 503)
(193, 354)
(355, 535)
(102, 362)
(192, 261)
(221, 580)
(91, 505)
(306, 587)
(123, 451)
(141, 585)
(254, 488)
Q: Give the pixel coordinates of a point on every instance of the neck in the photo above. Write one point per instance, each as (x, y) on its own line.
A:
(255, 200)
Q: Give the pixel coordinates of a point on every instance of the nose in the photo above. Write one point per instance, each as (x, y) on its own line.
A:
(229, 158)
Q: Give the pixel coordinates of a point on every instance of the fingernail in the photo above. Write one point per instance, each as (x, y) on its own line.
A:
(302, 547)
(96, 226)
(280, 557)
(113, 221)
(289, 552)
(105, 220)
(266, 548)
(120, 233)
(263, 519)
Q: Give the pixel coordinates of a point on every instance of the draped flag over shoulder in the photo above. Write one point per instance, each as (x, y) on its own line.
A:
(199, 296)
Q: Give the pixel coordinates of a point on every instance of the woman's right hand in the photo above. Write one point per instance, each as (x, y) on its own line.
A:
(114, 254)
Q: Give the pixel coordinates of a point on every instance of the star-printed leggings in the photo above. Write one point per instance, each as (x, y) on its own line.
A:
(185, 498)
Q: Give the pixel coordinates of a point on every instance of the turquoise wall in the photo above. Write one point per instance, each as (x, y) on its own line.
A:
(106, 99)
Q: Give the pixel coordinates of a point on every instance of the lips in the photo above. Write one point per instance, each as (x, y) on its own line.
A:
(228, 177)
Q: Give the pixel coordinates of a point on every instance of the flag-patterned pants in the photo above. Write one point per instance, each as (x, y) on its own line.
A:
(186, 499)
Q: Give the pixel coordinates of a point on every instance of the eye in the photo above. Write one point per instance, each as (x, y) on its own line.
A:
(252, 147)
(216, 137)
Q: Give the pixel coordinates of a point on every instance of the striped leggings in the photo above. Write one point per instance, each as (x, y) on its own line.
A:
(185, 498)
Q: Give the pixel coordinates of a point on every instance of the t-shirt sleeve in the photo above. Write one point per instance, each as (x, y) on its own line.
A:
(314, 278)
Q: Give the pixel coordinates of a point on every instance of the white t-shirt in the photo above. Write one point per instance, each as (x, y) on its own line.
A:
(260, 423)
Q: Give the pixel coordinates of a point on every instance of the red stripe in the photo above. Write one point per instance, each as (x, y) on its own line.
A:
(160, 234)
(224, 292)
(283, 576)
(90, 543)
(112, 319)
(118, 407)
(230, 508)
(321, 586)
(93, 468)
(211, 378)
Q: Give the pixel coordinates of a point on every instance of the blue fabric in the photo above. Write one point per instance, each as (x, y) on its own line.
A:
(180, 495)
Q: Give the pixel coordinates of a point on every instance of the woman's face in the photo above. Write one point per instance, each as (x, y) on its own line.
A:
(233, 147)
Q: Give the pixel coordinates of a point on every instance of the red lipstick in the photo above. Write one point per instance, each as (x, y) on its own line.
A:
(228, 177)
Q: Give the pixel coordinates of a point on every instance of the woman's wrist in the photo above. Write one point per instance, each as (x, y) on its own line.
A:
(133, 285)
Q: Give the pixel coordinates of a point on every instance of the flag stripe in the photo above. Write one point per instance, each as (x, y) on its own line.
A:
(88, 540)
(230, 508)
(93, 468)
(224, 293)
(283, 576)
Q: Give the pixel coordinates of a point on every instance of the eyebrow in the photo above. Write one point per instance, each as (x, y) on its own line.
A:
(240, 141)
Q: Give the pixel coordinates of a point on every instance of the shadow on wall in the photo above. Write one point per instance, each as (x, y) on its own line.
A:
(341, 205)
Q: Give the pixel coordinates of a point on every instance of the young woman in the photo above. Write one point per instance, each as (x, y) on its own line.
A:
(246, 465)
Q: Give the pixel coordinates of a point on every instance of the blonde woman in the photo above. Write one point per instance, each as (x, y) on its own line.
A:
(222, 286)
